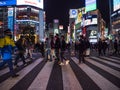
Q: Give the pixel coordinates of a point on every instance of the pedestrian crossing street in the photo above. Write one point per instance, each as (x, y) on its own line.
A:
(97, 73)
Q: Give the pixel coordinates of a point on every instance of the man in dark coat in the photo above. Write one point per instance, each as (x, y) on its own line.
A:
(81, 49)
(57, 47)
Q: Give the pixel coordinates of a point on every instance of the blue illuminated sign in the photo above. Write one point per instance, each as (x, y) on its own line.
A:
(7, 2)
(74, 12)
(10, 19)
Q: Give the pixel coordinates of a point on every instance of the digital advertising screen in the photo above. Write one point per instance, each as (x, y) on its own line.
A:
(80, 13)
(35, 3)
(7, 2)
(79, 17)
(92, 21)
(116, 5)
(90, 5)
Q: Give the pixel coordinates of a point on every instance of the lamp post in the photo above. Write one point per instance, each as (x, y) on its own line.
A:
(110, 25)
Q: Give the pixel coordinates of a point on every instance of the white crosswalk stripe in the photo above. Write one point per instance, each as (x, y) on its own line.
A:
(97, 78)
(10, 82)
(42, 78)
(117, 61)
(117, 65)
(107, 69)
(69, 79)
(3, 71)
(116, 57)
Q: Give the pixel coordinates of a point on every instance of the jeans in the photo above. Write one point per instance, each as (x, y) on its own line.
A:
(48, 53)
(10, 65)
(20, 55)
(57, 54)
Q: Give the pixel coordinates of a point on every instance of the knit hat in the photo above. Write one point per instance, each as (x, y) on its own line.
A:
(7, 32)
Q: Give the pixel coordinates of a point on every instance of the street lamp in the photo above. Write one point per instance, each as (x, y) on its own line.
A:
(110, 25)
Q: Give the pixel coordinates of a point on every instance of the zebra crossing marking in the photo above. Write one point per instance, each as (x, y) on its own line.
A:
(110, 63)
(111, 59)
(85, 81)
(70, 81)
(102, 82)
(107, 69)
(10, 82)
(118, 58)
(40, 82)
(3, 71)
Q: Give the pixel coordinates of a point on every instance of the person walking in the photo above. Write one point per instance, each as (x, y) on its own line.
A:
(21, 51)
(104, 47)
(29, 48)
(52, 47)
(42, 50)
(62, 53)
(81, 49)
(99, 45)
(87, 47)
(6, 51)
(57, 48)
(115, 47)
(48, 55)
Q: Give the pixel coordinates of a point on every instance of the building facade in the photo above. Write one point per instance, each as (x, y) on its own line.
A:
(23, 17)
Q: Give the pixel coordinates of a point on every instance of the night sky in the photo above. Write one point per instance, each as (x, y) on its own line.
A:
(59, 9)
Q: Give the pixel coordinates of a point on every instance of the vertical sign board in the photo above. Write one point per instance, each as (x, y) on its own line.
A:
(73, 13)
(10, 18)
(41, 25)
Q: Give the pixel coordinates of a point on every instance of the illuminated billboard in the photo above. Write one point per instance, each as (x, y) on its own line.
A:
(79, 17)
(10, 18)
(35, 3)
(90, 5)
(91, 20)
(7, 2)
(116, 5)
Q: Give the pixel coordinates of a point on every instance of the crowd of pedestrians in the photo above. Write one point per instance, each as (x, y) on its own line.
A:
(54, 48)
(23, 49)
(107, 47)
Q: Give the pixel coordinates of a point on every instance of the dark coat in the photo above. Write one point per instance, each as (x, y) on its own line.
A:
(63, 45)
(81, 46)
(57, 43)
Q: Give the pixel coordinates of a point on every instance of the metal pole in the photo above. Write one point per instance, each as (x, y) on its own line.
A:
(13, 22)
(110, 25)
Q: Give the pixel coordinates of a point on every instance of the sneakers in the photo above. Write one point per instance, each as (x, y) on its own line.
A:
(67, 61)
(16, 65)
(16, 75)
(25, 64)
(61, 63)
